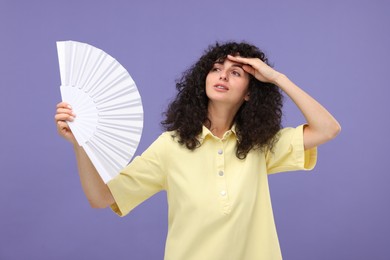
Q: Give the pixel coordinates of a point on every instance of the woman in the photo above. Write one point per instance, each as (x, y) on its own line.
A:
(223, 138)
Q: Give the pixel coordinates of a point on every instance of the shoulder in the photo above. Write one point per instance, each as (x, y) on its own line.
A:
(291, 132)
(288, 137)
(164, 140)
(292, 129)
(169, 136)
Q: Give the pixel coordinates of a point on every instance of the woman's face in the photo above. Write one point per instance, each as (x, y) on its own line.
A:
(227, 83)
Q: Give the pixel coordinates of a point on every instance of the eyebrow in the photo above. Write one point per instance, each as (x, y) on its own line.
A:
(239, 65)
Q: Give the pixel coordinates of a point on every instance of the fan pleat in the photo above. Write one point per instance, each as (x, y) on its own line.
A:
(104, 75)
(74, 72)
(119, 138)
(68, 63)
(114, 149)
(120, 127)
(121, 83)
(85, 67)
(87, 111)
(116, 95)
(94, 67)
(84, 56)
(86, 129)
(104, 158)
(132, 117)
(125, 104)
(113, 83)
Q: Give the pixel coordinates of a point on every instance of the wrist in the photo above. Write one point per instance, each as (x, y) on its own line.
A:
(279, 79)
(76, 146)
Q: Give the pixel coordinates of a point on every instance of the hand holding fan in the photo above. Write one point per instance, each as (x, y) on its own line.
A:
(108, 107)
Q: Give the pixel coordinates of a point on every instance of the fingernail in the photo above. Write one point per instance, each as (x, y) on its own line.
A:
(71, 118)
(69, 106)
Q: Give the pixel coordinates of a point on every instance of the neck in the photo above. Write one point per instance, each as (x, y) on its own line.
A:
(221, 119)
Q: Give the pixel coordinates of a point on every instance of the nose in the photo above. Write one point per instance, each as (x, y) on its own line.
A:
(223, 76)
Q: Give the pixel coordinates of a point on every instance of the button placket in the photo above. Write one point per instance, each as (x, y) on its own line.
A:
(222, 190)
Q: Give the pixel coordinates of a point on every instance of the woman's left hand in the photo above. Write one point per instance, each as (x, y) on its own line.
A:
(257, 68)
(321, 125)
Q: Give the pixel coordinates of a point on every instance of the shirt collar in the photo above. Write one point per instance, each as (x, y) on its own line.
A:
(206, 132)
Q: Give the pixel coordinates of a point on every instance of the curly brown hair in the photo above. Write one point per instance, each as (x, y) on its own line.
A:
(257, 121)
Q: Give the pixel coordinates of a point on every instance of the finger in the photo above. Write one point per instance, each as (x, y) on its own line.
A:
(62, 127)
(64, 130)
(64, 105)
(254, 62)
(62, 124)
(250, 65)
(63, 117)
(249, 69)
(65, 111)
(240, 59)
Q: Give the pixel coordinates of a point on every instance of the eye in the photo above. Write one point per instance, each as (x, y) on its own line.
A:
(236, 73)
(215, 68)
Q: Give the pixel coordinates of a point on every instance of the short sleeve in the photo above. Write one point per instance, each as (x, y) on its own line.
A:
(141, 179)
(289, 154)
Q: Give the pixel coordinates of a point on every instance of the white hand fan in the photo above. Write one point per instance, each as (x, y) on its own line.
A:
(108, 107)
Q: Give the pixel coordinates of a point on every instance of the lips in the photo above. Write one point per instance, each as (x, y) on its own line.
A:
(221, 87)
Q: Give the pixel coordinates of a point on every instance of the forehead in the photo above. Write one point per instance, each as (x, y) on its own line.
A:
(227, 62)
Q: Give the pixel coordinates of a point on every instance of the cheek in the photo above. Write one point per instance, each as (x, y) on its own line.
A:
(209, 83)
(246, 84)
(209, 79)
(243, 86)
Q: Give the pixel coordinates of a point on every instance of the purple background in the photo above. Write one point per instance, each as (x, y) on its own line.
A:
(338, 51)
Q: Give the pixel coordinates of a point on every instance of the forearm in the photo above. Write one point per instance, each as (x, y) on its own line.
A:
(96, 191)
(321, 125)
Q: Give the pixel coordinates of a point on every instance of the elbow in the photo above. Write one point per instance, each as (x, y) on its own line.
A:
(100, 198)
(336, 129)
(333, 131)
(98, 204)
(322, 135)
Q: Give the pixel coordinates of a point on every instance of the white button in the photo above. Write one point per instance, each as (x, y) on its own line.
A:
(223, 193)
(220, 173)
(220, 151)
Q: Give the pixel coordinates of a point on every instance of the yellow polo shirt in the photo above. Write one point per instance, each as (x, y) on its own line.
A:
(219, 205)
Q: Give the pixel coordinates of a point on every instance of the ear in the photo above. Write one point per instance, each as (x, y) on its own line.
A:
(246, 98)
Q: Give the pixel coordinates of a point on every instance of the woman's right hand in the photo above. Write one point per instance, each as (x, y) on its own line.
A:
(63, 114)
(97, 192)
